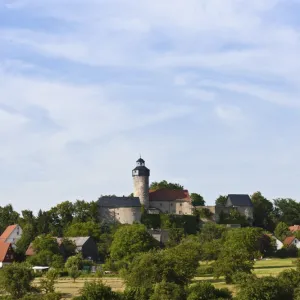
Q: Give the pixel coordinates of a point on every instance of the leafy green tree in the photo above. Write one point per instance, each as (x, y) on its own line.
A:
(96, 291)
(263, 212)
(89, 228)
(206, 291)
(85, 212)
(240, 248)
(282, 231)
(165, 185)
(265, 288)
(177, 265)
(211, 231)
(74, 273)
(28, 235)
(7, 217)
(288, 210)
(45, 243)
(130, 240)
(16, 279)
(74, 262)
(168, 291)
(47, 283)
(69, 247)
(221, 200)
(197, 200)
(176, 235)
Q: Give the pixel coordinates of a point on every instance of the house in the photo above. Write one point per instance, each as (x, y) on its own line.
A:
(294, 228)
(84, 245)
(291, 240)
(171, 201)
(161, 235)
(242, 203)
(7, 255)
(11, 234)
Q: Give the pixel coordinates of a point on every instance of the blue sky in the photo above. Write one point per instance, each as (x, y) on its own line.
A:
(208, 91)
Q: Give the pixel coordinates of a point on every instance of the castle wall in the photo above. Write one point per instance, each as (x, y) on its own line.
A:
(123, 215)
(141, 189)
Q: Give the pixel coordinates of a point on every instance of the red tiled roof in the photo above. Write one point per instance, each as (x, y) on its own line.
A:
(8, 231)
(3, 250)
(169, 195)
(30, 251)
(294, 228)
(289, 240)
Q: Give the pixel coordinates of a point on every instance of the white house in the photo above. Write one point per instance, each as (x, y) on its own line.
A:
(292, 240)
(11, 234)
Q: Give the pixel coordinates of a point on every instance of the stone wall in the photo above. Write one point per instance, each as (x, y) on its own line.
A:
(141, 189)
(123, 215)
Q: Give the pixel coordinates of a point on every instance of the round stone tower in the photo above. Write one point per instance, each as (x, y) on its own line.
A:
(140, 176)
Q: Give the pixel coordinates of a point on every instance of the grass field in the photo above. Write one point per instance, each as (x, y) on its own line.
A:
(270, 267)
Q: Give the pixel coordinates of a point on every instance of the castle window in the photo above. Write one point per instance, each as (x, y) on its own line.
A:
(180, 204)
(180, 212)
(171, 204)
(160, 204)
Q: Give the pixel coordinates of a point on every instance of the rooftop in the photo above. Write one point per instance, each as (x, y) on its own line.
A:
(240, 199)
(114, 201)
(8, 231)
(169, 195)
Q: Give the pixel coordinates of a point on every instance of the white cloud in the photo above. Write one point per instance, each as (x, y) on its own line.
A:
(229, 114)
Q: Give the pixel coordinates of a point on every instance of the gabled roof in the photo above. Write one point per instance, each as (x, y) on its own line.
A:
(79, 241)
(294, 228)
(30, 251)
(289, 240)
(4, 247)
(240, 199)
(169, 195)
(115, 202)
(8, 231)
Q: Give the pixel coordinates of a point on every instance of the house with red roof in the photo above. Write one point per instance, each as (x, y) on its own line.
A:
(291, 240)
(294, 228)
(167, 201)
(11, 234)
(7, 254)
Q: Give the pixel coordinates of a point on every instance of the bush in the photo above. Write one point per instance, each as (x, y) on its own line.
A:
(206, 291)
(168, 291)
(205, 270)
(96, 291)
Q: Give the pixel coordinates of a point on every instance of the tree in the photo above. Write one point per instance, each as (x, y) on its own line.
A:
(48, 281)
(265, 288)
(69, 247)
(45, 242)
(165, 185)
(240, 248)
(130, 240)
(28, 235)
(282, 231)
(167, 291)
(221, 200)
(263, 212)
(89, 228)
(74, 262)
(211, 231)
(197, 200)
(206, 291)
(176, 235)
(288, 210)
(176, 265)
(16, 280)
(96, 291)
(74, 273)
(7, 217)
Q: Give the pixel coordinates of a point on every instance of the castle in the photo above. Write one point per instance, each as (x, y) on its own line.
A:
(127, 210)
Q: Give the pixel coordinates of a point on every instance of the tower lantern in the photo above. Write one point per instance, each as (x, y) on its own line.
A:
(140, 176)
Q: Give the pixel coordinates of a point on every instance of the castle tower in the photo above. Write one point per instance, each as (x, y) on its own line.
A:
(140, 176)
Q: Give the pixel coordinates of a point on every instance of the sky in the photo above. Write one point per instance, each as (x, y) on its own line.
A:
(207, 91)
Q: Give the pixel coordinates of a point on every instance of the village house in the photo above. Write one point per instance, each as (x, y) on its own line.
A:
(11, 234)
(291, 240)
(84, 245)
(7, 255)
(294, 228)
